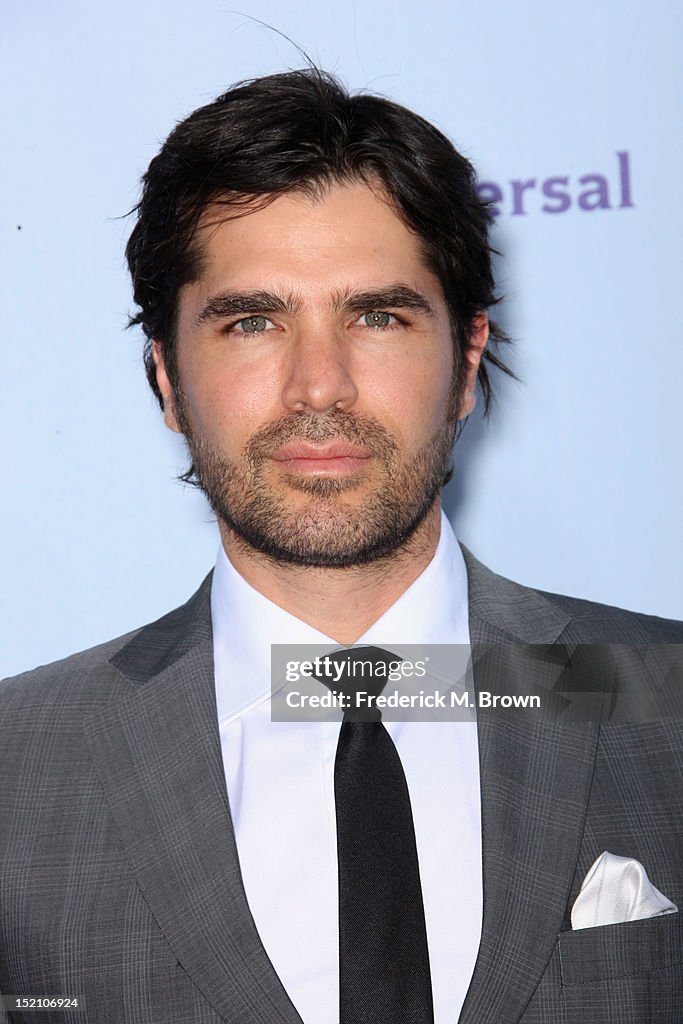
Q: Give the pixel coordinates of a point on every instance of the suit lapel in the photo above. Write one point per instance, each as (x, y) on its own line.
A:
(535, 783)
(157, 752)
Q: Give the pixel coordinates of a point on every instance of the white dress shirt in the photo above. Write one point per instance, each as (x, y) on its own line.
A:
(280, 781)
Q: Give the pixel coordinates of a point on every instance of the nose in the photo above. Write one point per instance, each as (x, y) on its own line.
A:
(318, 374)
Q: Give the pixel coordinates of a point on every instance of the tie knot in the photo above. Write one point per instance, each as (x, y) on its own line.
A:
(355, 670)
(363, 714)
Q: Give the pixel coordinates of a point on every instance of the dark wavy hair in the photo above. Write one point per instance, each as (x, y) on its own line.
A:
(301, 131)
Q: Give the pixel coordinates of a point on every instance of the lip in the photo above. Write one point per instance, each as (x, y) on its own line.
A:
(301, 452)
(339, 458)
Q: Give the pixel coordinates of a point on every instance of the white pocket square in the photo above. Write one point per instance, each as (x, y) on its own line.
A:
(617, 889)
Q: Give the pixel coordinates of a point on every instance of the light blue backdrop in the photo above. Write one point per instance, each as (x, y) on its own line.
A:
(575, 486)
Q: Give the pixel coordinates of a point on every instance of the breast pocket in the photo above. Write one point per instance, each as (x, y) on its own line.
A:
(631, 972)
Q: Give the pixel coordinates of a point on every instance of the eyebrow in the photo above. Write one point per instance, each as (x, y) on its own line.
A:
(229, 303)
(233, 303)
(396, 296)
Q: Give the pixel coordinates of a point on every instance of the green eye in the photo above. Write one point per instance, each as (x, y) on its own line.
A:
(253, 324)
(377, 318)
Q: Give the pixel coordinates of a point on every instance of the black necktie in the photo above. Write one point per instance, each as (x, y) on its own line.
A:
(383, 958)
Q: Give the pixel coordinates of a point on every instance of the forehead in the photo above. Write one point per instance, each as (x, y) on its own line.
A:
(349, 236)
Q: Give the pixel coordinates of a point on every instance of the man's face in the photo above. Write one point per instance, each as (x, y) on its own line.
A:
(315, 362)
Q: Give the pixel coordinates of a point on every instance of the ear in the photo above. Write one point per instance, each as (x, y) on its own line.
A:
(474, 351)
(164, 385)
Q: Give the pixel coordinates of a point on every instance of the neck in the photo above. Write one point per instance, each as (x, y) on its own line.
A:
(342, 603)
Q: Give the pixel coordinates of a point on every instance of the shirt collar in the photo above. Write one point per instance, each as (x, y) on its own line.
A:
(433, 610)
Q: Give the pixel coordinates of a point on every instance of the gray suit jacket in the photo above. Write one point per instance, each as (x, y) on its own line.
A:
(119, 875)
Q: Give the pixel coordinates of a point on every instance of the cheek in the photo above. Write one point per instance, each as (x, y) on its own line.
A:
(228, 404)
(414, 402)
(428, 379)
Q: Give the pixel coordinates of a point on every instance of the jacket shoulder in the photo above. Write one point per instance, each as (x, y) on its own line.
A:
(100, 672)
(77, 675)
(593, 622)
(540, 616)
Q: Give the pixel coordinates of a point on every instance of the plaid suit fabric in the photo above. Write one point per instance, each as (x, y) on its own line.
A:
(119, 876)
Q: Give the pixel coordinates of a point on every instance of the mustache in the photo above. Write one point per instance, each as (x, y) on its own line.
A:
(318, 427)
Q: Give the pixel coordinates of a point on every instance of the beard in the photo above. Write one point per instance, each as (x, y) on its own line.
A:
(327, 532)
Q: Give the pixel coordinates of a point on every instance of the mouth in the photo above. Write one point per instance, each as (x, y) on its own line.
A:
(336, 457)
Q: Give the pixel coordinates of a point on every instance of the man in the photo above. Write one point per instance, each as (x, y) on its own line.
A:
(313, 276)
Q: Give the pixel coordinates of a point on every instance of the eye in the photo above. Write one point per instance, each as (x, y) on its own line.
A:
(251, 325)
(377, 319)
